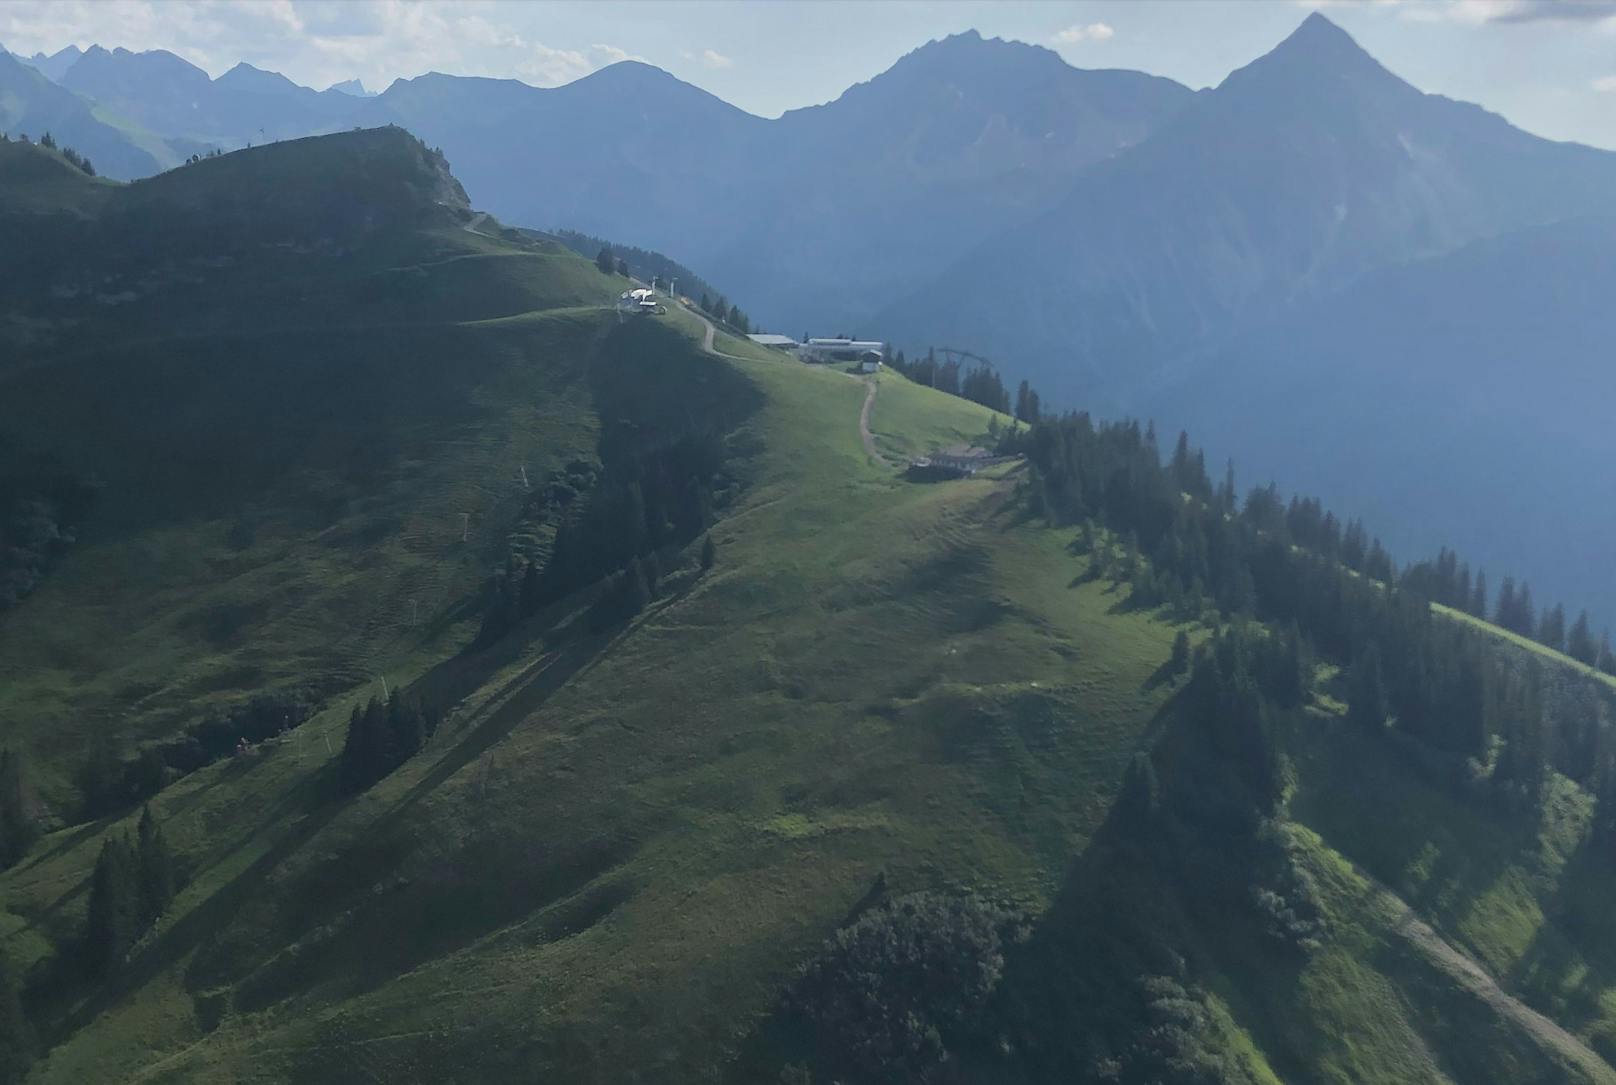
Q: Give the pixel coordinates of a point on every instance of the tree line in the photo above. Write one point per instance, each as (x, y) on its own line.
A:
(633, 517)
(48, 141)
(1191, 544)
(724, 311)
(382, 735)
(108, 780)
(648, 261)
(131, 887)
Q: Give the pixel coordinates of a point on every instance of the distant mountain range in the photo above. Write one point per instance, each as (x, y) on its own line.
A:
(1125, 243)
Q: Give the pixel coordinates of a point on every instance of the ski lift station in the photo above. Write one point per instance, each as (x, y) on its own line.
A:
(639, 301)
(839, 350)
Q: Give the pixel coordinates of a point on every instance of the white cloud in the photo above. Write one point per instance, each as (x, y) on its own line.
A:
(1477, 12)
(611, 54)
(712, 58)
(1605, 84)
(1084, 32)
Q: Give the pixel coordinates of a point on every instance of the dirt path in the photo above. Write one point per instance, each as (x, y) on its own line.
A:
(864, 426)
(864, 412)
(476, 220)
(1469, 975)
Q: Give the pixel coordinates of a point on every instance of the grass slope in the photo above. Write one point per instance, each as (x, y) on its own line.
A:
(615, 850)
(618, 846)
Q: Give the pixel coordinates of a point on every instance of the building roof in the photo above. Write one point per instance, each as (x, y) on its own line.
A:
(771, 340)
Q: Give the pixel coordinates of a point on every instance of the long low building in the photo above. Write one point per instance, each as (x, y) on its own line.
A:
(778, 342)
(838, 350)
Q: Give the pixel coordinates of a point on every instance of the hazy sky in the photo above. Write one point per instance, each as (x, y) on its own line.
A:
(1547, 65)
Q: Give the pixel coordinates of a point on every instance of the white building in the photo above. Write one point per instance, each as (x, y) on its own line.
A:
(837, 350)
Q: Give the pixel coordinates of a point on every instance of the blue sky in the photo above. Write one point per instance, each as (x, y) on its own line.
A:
(1547, 65)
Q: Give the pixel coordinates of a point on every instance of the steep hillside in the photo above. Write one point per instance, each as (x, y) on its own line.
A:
(713, 678)
(1454, 400)
(268, 367)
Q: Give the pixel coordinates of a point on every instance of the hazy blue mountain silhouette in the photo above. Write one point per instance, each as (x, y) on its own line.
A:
(1300, 172)
(31, 104)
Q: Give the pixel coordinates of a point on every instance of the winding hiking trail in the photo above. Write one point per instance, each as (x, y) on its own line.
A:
(864, 412)
(864, 424)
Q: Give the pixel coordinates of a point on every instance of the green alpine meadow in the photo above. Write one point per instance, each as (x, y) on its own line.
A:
(1021, 573)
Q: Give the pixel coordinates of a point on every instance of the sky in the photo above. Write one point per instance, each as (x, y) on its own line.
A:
(1548, 66)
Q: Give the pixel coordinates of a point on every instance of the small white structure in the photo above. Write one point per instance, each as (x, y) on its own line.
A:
(837, 350)
(870, 361)
(639, 301)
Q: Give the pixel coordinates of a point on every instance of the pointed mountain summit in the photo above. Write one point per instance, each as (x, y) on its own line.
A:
(1319, 62)
(1305, 169)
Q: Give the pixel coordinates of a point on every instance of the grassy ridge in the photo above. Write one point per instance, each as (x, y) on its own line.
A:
(876, 677)
(611, 856)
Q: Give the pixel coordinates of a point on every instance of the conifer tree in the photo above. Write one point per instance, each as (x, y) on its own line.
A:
(709, 553)
(156, 869)
(622, 267)
(1478, 596)
(529, 597)
(406, 730)
(637, 592)
(1179, 662)
(1580, 643)
(1505, 613)
(16, 1035)
(1367, 704)
(1551, 631)
(114, 913)
(17, 829)
(603, 261)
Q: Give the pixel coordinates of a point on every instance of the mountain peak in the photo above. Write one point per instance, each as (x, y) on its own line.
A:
(1317, 54)
(257, 80)
(353, 87)
(1318, 42)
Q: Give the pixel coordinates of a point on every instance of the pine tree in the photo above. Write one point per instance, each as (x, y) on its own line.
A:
(16, 1035)
(156, 869)
(1580, 643)
(1551, 631)
(603, 261)
(636, 591)
(114, 914)
(529, 597)
(1367, 704)
(1179, 662)
(1478, 597)
(406, 730)
(1505, 614)
(17, 829)
(709, 553)
(622, 267)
